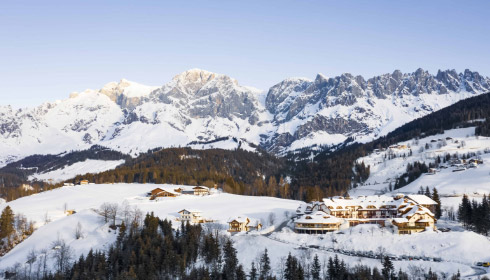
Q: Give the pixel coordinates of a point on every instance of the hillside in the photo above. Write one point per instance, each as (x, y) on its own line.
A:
(387, 167)
(457, 249)
(335, 172)
(237, 171)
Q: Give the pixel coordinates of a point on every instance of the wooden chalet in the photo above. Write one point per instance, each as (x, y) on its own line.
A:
(158, 192)
(243, 224)
(83, 182)
(416, 219)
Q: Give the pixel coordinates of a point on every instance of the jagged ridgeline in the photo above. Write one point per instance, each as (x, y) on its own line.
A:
(237, 171)
(332, 173)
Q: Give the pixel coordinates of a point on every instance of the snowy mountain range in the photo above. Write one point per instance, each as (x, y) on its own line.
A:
(198, 106)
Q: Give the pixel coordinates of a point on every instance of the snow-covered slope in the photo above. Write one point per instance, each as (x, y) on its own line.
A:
(201, 106)
(78, 168)
(458, 249)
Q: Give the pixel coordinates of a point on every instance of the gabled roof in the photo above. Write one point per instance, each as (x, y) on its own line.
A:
(190, 211)
(241, 220)
(421, 199)
(166, 190)
(418, 209)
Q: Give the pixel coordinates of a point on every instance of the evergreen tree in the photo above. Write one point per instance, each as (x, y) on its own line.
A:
(7, 222)
(388, 268)
(122, 232)
(435, 197)
(427, 192)
(465, 211)
(240, 274)
(265, 264)
(231, 261)
(315, 268)
(253, 272)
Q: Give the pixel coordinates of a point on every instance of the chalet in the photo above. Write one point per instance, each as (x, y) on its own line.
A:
(198, 190)
(191, 216)
(243, 224)
(162, 193)
(381, 210)
(317, 223)
(68, 184)
(70, 212)
(415, 218)
(83, 182)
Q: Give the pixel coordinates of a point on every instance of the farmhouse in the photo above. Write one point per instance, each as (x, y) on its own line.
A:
(408, 213)
(191, 216)
(243, 224)
(199, 190)
(415, 218)
(162, 193)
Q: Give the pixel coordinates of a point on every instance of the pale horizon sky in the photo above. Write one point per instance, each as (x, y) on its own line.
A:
(51, 48)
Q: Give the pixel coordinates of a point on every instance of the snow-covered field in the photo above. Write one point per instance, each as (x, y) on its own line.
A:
(458, 249)
(78, 168)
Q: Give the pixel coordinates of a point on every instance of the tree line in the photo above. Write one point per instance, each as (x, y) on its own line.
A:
(475, 215)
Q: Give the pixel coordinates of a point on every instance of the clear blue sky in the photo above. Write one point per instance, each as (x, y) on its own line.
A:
(51, 48)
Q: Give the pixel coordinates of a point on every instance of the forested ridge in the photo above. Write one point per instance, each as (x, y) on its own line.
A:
(237, 171)
(16, 173)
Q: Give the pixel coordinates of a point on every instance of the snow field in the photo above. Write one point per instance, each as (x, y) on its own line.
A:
(78, 168)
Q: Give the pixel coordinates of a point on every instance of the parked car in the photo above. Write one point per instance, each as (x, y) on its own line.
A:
(486, 264)
(479, 264)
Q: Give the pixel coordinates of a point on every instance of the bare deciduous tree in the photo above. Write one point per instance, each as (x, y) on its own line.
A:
(104, 211)
(272, 218)
(126, 212)
(31, 259)
(62, 255)
(46, 218)
(78, 231)
(113, 208)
